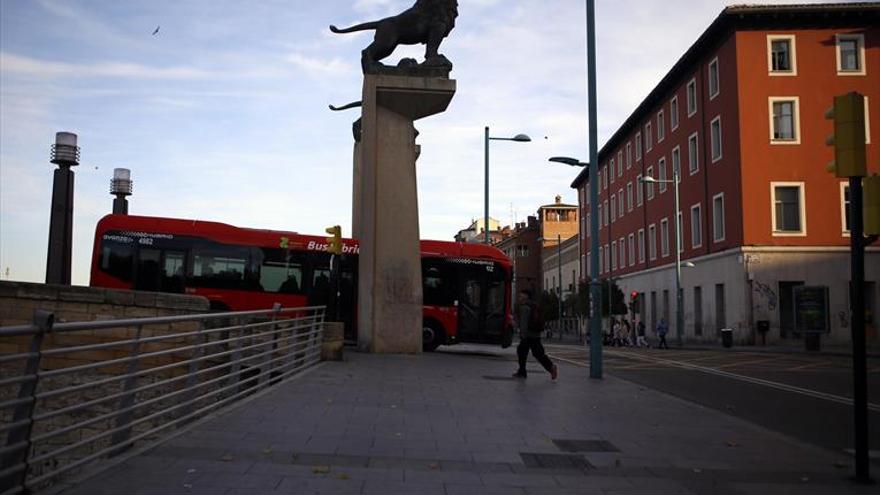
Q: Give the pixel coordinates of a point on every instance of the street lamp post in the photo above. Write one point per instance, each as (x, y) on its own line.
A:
(679, 308)
(520, 138)
(595, 284)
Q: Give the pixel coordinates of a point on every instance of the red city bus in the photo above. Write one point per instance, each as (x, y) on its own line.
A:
(466, 287)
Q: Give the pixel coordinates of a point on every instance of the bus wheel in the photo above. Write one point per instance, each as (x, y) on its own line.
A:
(432, 336)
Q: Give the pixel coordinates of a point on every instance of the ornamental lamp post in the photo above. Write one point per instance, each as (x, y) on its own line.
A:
(519, 138)
(121, 186)
(65, 154)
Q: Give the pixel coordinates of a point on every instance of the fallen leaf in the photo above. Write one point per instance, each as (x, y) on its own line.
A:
(190, 471)
(267, 451)
(434, 466)
(226, 458)
(343, 476)
(321, 469)
(187, 486)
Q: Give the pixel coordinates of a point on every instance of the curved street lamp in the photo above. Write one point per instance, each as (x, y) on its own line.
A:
(519, 138)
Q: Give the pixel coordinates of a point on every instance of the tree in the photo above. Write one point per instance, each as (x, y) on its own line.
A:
(549, 305)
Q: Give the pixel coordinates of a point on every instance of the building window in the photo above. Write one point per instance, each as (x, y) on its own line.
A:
(693, 154)
(641, 245)
(601, 258)
(850, 54)
(781, 55)
(639, 190)
(673, 113)
(620, 203)
(600, 216)
(610, 170)
(664, 237)
(715, 138)
(648, 143)
(622, 245)
(629, 196)
(788, 208)
(632, 249)
(638, 146)
(844, 208)
(680, 236)
(718, 217)
(784, 125)
(661, 169)
(620, 163)
(714, 83)
(607, 221)
(696, 226)
(652, 241)
(676, 162)
(613, 255)
(629, 155)
(692, 97)
(607, 258)
(661, 126)
(650, 185)
(613, 208)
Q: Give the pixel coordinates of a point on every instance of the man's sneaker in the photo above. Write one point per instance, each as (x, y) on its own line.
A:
(554, 372)
(519, 374)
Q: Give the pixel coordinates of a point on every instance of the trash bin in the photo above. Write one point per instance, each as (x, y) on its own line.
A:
(727, 337)
(763, 328)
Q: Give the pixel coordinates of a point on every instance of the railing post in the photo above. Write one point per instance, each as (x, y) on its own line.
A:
(127, 400)
(235, 369)
(318, 331)
(43, 321)
(191, 379)
(266, 365)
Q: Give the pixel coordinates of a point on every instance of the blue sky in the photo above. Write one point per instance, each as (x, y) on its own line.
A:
(223, 114)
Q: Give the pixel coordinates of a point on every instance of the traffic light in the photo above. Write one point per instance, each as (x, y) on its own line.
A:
(634, 295)
(334, 243)
(871, 207)
(848, 114)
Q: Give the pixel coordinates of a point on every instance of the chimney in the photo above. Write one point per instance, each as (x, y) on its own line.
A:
(558, 199)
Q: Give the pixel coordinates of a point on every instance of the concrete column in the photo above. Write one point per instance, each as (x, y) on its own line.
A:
(356, 192)
(390, 278)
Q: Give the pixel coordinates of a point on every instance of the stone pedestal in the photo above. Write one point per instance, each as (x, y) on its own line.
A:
(390, 279)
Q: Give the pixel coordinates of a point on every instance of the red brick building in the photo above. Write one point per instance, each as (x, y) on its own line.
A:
(741, 115)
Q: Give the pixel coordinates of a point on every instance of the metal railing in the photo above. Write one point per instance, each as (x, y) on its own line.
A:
(90, 390)
(566, 330)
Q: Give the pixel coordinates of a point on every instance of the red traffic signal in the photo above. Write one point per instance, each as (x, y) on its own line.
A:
(634, 295)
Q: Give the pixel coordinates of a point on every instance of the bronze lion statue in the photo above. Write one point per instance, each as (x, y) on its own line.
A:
(426, 22)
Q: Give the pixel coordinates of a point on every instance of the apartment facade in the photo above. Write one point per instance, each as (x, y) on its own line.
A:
(741, 117)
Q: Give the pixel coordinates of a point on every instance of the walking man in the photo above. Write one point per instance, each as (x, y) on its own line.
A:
(662, 330)
(640, 334)
(528, 320)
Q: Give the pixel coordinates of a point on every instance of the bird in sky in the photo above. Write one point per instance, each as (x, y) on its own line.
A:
(156, 31)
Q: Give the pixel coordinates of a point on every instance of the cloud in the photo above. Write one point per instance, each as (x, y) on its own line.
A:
(321, 67)
(27, 66)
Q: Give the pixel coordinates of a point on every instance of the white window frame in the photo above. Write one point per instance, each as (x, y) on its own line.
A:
(712, 139)
(613, 208)
(673, 113)
(723, 219)
(664, 237)
(599, 215)
(712, 94)
(621, 245)
(860, 40)
(649, 140)
(867, 122)
(694, 158)
(676, 161)
(691, 89)
(620, 210)
(845, 232)
(607, 214)
(661, 126)
(793, 55)
(802, 199)
(601, 259)
(620, 163)
(696, 227)
(661, 173)
(607, 259)
(631, 248)
(610, 169)
(639, 191)
(629, 196)
(650, 185)
(638, 145)
(797, 119)
(641, 245)
(652, 241)
(629, 155)
(613, 255)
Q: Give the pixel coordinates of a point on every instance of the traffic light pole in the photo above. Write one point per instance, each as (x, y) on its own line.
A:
(857, 298)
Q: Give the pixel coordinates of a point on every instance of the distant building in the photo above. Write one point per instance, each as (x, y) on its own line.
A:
(523, 247)
(559, 221)
(741, 115)
(475, 233)
(562, 274)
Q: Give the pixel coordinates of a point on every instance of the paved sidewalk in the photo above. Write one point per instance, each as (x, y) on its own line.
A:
(456, 424)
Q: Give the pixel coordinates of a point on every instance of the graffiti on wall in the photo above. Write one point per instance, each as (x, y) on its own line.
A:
(765, 296)
(844, 319)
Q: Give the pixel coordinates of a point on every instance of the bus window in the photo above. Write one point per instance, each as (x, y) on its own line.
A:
(173, 271)
(117, 259)
(147, 276)
(438, 282)
(281, 271)
(222, 267)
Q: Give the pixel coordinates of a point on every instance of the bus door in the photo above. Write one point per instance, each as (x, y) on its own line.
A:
(481, 303)
(347, 302)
